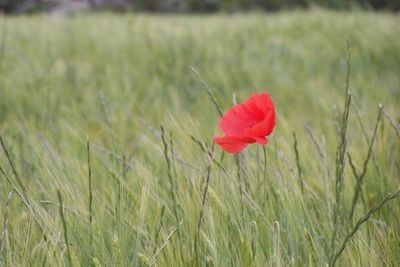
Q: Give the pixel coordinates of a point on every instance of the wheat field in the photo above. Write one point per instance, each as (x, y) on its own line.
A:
(107, 124)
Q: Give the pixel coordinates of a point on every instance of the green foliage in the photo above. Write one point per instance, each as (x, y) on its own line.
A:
(82, 101)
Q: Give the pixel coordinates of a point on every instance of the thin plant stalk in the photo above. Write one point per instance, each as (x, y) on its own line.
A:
(209, 92)
(311, 247)
(171, 184)
(360, 177)
(239, 178)
(392, 123)
(204, 197)
(358, 116)
(266, 178)
(25, 201)
(265, 171)
(90, 204)
(167, 240)
(296, 152)
(321, 150)
(275, 245)
(355, 174)
(339, 182)
(361, 221)
(169, 173)
(205, 150)
(340, 160)
(14, 170)
(158, 230)
(4, 232)
(64, 223)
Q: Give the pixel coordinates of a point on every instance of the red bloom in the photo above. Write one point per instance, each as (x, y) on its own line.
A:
(246, 123)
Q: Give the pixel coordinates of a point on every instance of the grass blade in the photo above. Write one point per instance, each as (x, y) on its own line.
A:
(64, 223)
(361, 221)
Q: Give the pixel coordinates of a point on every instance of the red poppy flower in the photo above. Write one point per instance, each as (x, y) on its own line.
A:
(247, 123)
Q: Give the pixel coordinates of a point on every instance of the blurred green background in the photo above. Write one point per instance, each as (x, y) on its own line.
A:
(113, 79)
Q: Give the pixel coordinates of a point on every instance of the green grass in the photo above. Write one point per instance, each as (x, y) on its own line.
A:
(113, 80)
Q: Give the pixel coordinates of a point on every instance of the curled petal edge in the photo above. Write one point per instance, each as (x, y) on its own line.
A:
(235, 144)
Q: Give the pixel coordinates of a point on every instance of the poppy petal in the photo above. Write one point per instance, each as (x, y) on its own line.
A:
(233, 144)
(246, 123)
(264, 128)
(261, 140)
(241, 117)
(263, 101)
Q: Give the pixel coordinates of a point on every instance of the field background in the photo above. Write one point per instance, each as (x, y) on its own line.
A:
(113, 80)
